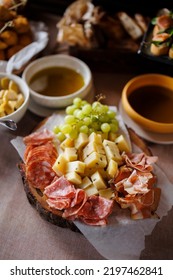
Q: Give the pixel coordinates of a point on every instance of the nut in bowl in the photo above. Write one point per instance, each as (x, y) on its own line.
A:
(14, 97)
(55, 80)
(148, 100)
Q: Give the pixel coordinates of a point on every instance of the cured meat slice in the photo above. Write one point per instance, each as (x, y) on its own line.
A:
(61, 187)
(47, 151)
(39, 137)
(140, 161)
(96, 208)
(76, 205)
(141, 205)
(59, 203)
(38, 164)
(164, 22)
(39, 174)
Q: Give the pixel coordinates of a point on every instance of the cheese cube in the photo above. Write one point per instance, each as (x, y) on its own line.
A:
(93, 147)
(70, 154)
(112, 151)
(94, 137)
(104, 135)
(73, 177)
(90, 171)
(98, 181)
(20, 100)
(60, 165)
(86, 182)
(68, 142)
(91, 190)
(95, 160)
(107, 193)
(81, 141)
(122, 144)
(112, 168)
(77, 166)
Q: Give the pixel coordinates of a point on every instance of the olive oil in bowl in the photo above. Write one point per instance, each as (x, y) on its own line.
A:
(56, 81)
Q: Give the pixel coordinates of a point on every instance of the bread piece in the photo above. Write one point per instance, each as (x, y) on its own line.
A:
(160, 44)
(130, 25)
(141, 21)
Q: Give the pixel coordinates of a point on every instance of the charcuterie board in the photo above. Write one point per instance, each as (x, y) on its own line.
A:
(38, 200)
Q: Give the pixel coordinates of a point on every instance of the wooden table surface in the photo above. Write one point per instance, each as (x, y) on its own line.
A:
(25, 235)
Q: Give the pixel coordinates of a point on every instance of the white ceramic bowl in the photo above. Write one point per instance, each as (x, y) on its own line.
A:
(19, 113)
(61, 61)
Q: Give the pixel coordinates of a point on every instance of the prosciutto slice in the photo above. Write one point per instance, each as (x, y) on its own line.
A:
(134, 185)
(140, 161)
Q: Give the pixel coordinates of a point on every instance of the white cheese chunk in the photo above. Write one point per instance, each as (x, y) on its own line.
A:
(77, 166)
(112, 151)
(112, 168)
(98, 181)
(122, 144)
(81, 141)
(94, 137)
(91, 190)
(68, 142)
(70, 154)
(95, 160)
(60, 165)
(86, 182)
(93, 147)
(73, 177)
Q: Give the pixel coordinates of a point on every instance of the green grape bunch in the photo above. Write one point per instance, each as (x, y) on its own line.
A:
(84, 117)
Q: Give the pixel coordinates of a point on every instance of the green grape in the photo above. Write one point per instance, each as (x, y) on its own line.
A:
(69, 119)
(56, 129)
(61, 136)
(84, 102)
(105, 127)
(77, 101)
(80, 115)
(111, 114)
(70, 109)
(66, 128)
(104, 118)
(84, 129)
(86, 109)
(95, 105)
(84, 117)
(87, 121)
(76, 112)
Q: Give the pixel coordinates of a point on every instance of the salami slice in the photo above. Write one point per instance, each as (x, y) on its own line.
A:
(60, 188)
(39, 160)
(39, 137)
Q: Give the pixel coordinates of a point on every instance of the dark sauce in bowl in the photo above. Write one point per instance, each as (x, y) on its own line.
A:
(153, 102)
(56, 81)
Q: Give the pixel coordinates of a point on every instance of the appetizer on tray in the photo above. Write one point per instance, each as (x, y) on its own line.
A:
(85, 165)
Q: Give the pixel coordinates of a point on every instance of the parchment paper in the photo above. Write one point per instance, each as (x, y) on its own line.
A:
(122, 238)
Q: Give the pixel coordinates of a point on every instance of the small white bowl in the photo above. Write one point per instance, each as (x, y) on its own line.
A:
(19, 113)
(61, 61)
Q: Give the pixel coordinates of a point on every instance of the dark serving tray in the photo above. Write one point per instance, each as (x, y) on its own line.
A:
(144, 49)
